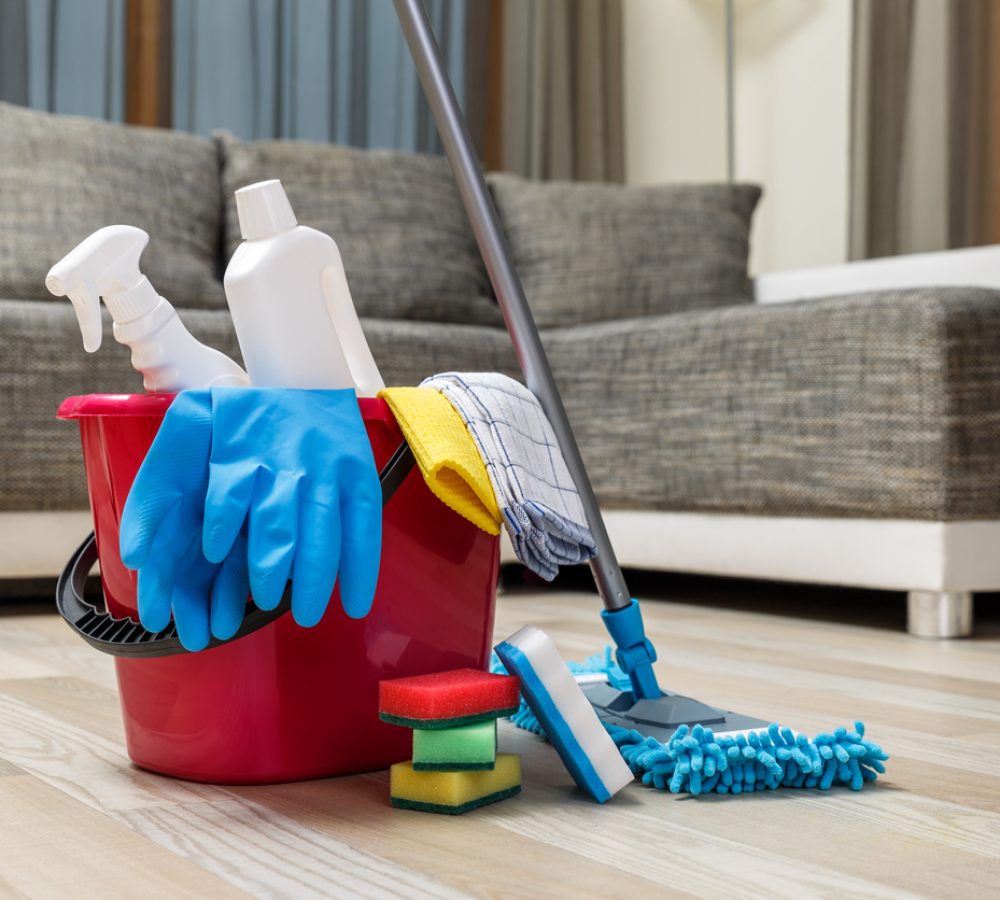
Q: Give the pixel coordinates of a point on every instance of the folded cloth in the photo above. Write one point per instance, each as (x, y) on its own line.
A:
(446, 453)
(541, 508)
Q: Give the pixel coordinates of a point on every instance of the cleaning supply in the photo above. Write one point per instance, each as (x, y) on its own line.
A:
(568, 719)
(447, 699)
(297, 468)
(161, 533)
(466, 747)
(290, 301)
(454, 792)
(697, 760)
(282, 703)
(642, 704)
(259, 459)
(106, 264)
(455, 766)
(446, 453)
(540, 504)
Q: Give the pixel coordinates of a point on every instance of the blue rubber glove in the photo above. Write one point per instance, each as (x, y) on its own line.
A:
(161, 533)
(296, 467)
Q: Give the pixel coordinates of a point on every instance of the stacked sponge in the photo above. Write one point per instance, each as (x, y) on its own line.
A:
(455, 765)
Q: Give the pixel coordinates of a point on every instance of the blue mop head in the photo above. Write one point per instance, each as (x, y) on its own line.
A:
(697, 761)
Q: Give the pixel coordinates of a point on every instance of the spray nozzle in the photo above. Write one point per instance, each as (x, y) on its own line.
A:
(104, 264)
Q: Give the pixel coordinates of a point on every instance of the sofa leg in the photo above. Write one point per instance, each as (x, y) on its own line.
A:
(939, 614)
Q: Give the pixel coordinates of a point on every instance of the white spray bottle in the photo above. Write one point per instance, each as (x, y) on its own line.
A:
(170, 359)
(290, 302)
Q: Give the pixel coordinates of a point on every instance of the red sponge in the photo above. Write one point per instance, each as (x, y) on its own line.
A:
(447, 699)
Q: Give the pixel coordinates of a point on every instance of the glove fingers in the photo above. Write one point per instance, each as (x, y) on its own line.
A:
(316, 560)
(191, 598)
(174, 463)
(271, 536)
(361, 543)
(144, 512)
(230, 592)
(157, 576)
(227, 500)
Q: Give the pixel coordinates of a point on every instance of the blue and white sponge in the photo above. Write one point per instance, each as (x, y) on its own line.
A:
(569, 720)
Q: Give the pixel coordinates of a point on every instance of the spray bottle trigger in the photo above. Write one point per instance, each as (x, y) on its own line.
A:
(87, 304)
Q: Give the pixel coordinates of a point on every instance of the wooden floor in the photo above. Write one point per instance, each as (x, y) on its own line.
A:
(76, 820)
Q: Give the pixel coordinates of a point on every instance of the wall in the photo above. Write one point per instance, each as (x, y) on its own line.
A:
(792, 113)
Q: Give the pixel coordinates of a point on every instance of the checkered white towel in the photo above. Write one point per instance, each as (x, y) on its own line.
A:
(541, 507)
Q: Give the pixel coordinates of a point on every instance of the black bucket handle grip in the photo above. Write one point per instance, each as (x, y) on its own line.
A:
(128, 639)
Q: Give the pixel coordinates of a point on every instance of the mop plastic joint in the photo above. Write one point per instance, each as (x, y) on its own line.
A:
(635, 652)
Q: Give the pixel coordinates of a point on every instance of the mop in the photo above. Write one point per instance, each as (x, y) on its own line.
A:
(696, 760)
(673, 742)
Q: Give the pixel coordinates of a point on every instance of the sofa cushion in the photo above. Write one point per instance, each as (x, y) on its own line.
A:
(62, 177)
(396, 217)
(42, 362)
(592, 252)
(877, 405)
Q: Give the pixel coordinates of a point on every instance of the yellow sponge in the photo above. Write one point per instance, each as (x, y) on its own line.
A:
(454, 792)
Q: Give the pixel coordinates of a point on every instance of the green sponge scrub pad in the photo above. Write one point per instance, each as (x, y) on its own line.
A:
(455, 749)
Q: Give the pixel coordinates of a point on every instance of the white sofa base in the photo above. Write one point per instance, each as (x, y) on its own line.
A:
(939, 563)
(38, 544)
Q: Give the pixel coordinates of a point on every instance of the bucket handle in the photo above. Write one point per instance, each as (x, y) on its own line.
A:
(127, 638)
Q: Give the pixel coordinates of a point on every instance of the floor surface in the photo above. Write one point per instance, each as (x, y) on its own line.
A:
(76, 819)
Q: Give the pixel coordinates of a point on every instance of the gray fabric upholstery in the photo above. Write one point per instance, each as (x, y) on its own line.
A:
(876, 406)
(396, 217)
(62, 177)
(873, 406)
(42, 362)
(593, 252)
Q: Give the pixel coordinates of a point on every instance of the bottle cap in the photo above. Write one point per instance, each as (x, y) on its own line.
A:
(263, 209)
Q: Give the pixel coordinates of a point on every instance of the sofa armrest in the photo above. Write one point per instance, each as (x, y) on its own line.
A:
(974, 266)
(876, 406)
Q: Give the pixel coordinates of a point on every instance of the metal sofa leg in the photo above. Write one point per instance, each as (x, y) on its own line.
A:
(939, 614)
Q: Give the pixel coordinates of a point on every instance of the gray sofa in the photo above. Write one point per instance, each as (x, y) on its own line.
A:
(689, 400)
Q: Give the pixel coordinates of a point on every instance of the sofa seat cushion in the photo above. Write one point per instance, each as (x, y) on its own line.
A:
(872, 406)
(885, 405)
(42, 362)
(594, 252)
(63, 177)
(397, 218)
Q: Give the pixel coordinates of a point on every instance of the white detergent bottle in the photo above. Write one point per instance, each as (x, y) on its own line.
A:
(170, 359)
(290, 301)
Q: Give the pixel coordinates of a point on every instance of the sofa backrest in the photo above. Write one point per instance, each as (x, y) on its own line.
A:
(62, 177)
(594, 252)
(397, 218)
(585, 252)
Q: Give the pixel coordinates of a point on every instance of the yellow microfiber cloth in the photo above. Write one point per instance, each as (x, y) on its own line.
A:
(446, 453)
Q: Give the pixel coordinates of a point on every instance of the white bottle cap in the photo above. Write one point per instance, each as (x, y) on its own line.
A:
(263, 209)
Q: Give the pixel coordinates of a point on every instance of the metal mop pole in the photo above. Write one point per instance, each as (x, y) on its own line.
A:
(621, 614)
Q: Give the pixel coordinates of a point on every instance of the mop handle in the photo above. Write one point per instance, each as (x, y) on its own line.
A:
(506, 284)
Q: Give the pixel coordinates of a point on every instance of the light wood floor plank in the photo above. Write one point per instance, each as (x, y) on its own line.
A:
(471, 852)
(72, 700)
(931, 827)
(265, 853)
(53, 846)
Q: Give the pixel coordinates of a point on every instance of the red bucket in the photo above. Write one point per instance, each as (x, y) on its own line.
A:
(287, 703)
